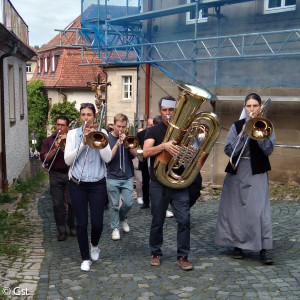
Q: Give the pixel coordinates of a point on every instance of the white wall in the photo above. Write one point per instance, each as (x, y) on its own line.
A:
(17, 147)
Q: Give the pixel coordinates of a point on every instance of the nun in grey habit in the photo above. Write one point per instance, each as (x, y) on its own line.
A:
(244, 218)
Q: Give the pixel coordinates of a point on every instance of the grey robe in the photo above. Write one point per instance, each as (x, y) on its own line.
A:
(244, 218)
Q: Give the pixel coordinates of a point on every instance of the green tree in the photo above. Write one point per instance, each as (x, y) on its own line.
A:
(38, 107)
(65, 108)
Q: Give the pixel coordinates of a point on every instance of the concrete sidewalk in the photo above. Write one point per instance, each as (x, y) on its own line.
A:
(123, 270)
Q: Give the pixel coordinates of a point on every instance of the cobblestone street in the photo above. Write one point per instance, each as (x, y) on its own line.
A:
(123, 270)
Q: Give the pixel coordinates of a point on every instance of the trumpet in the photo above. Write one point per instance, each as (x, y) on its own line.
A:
(257, 128)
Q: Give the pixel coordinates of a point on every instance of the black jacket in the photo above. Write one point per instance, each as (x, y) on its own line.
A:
(259, 161)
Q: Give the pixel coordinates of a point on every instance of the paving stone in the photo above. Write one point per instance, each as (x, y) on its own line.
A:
(52, 269)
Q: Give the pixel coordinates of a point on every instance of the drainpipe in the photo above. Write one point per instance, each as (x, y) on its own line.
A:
(3, 157)
(147, 78)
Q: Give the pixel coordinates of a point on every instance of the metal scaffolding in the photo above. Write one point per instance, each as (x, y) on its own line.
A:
(115, 32)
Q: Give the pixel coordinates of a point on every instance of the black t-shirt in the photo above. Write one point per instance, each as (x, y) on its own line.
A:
(156, 133)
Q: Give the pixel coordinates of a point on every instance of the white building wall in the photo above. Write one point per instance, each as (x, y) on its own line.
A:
(16, 134)
(80, 96)
(115, 102)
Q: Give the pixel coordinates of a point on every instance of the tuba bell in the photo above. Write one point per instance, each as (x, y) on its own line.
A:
(195, 133)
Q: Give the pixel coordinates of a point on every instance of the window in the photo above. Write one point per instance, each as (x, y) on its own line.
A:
(11, 93)
(54, 60)
(40, 64)
(127, 87)
(191, 16)
(53, 64)
(275, 6)
(28, 68)
(21, 92)
(47, 62)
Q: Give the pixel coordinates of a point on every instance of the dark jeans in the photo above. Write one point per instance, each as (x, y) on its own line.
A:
(145, 184)
(195, 189)
(88, 195)
(161, 196)
(59, 190)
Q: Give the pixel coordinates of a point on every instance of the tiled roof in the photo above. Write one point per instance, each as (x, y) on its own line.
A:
(68, 72)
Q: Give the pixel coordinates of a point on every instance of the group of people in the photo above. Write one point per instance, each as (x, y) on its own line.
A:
(34, 153)
(82, 178)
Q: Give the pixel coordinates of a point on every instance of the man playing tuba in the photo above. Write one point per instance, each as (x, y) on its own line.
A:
(162, 195)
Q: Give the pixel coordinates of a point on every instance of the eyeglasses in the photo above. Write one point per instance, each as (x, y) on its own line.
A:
(89, 105)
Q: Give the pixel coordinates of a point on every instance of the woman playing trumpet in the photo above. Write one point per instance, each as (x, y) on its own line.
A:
(244, 219)
(87, 183)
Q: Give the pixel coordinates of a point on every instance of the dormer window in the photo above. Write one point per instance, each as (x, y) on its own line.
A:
(47, 62)
(40, 63)
(54, 60)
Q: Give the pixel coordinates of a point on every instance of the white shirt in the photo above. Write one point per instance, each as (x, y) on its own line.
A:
(94, 168)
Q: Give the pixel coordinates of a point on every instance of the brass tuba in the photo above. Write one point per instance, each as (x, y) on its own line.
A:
(195, 133)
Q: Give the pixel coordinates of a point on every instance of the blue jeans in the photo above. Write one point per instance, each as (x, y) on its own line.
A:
(161, 196)
(117, 189)
(84, 196)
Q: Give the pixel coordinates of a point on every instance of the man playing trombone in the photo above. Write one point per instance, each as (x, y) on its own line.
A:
(119, 176)
(52, 157)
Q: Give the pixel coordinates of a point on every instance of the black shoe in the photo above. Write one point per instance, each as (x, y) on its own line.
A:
(144, 206)
(62, 237)
(73, 232)
(237, 253)
(266, 258)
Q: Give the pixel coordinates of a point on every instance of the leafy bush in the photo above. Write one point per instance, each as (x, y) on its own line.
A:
(64, 108)
(38, 107)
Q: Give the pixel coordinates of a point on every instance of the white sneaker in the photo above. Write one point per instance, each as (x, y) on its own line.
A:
(86, 265)
(115, 234)
(125, 226)
(95, 253)
(169, 214)
(140, 201)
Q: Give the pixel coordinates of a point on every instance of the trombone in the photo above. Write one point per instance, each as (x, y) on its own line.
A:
(62, 144)
(77, 153)
(129, 142)
(96, 140)
(44, 166)
(257, 128)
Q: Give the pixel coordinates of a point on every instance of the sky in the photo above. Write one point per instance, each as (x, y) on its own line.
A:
(43, 16)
